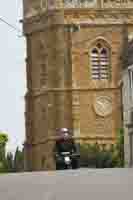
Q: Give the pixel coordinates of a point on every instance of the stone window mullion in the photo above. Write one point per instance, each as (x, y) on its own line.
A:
(100, 61)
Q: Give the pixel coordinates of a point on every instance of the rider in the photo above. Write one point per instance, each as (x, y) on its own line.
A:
(65, 143)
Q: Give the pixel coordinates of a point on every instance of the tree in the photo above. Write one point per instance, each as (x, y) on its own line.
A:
(9, 162)
(3, 138)
(18, 160)
(120, 147)
(3, 142)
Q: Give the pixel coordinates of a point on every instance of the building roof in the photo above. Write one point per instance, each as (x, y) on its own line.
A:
(83, 184)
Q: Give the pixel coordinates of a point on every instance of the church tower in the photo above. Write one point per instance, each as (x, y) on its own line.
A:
(75, 52)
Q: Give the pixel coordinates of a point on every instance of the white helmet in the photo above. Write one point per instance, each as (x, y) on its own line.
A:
(64, 130)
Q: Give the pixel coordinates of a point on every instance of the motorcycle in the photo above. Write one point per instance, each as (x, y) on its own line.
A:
(66, 155)
(63, 160)
(67, 160)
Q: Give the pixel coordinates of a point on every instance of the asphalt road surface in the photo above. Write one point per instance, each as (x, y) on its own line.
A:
(83, 184)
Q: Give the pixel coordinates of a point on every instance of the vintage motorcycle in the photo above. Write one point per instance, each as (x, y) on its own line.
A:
(67, 156)
(64, 160)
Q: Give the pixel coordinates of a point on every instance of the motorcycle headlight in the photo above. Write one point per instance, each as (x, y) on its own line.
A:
(67, 159)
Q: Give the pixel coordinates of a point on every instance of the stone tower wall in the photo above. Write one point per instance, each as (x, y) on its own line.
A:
(60, 90)
(48, 105)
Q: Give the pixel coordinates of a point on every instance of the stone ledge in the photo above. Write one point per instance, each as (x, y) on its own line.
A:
(36, 93)
(83, 138)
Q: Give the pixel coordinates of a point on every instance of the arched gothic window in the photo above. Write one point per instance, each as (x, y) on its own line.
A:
(100, 61)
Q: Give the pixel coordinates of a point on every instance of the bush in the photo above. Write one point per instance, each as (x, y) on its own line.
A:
(99, 156)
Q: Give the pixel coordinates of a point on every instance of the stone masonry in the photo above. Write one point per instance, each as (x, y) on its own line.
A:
(60, 89)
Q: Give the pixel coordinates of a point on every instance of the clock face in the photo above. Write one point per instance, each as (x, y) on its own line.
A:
(103, 106)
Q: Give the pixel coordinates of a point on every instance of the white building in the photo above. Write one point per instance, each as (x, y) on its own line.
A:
(128, 105)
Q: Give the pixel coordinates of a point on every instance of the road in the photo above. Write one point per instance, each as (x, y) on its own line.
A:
(83, 184)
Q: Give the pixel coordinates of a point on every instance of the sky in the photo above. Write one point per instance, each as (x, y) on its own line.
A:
(12, 74)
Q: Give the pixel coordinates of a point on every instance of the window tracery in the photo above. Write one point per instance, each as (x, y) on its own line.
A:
(100, 61)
